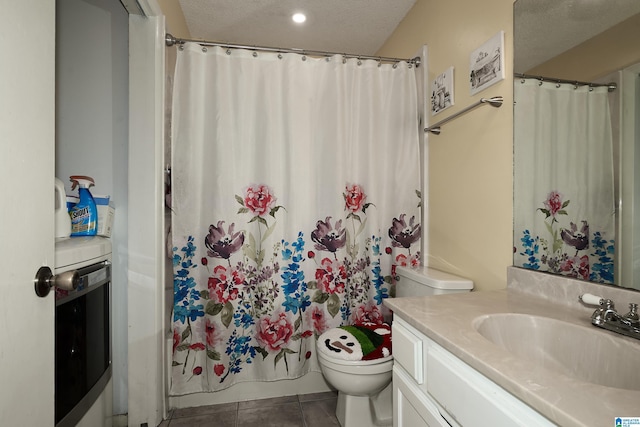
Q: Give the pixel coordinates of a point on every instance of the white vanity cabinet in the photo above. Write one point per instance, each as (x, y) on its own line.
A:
(432, 387)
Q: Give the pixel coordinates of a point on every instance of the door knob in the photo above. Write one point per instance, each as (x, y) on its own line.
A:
(45, 280)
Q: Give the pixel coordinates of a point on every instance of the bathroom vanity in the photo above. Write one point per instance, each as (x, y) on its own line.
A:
(524, 356)
(432, 387)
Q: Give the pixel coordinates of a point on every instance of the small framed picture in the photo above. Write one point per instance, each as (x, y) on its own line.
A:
(442, 92)
(487, 64)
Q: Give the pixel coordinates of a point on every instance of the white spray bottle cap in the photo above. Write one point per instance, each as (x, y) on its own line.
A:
(81, 180)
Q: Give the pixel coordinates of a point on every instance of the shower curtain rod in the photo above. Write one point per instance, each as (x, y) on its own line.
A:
(170, 40)
(611, 86)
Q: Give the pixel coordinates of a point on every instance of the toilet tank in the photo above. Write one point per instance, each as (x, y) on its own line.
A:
(423, 281)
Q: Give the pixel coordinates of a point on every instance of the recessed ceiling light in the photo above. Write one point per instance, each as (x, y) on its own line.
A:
(299, 18)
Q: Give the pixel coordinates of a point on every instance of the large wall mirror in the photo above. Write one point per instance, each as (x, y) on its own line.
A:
(577, 139)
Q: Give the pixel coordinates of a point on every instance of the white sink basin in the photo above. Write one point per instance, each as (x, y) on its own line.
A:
(581, 352)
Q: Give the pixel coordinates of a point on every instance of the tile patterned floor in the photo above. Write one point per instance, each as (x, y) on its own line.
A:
(305, 410)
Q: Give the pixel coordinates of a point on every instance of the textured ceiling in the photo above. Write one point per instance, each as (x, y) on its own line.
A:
(546, 28)
(345, 26)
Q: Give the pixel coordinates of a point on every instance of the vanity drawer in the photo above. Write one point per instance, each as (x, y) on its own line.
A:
(407, 350)
(467, 396)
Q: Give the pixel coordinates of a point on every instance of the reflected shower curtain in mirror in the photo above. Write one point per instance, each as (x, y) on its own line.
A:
(294, 195)
(564, 205)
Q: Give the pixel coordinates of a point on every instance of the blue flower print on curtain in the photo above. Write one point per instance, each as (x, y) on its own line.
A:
(187, 307)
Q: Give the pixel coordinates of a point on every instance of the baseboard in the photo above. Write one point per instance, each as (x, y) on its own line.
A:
(313, 382)
(120, 420)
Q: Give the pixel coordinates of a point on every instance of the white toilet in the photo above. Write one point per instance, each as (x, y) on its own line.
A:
(364, 387)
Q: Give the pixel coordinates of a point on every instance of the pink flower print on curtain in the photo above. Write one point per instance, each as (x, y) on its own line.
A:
(274, 332)
(577, 266)
(407, 261)
(355, 202)
(214, 333)
(259, 200)
(554, 206)
(176, 339)
(354, 198)
(317, 319)
(331, 276)
(368, 313)
(223, 287)
(218, 369)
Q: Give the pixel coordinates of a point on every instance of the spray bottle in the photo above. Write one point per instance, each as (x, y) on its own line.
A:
(84, 215)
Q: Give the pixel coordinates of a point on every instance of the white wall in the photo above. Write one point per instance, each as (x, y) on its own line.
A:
(469, 200)
(147, 362)
(92, 127)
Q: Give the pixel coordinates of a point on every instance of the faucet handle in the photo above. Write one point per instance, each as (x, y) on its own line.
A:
(591, 299)
(632, 315)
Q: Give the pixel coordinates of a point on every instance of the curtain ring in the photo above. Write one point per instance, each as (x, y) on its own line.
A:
(181, 47)
(255, 54)
(228, 51)
(395, 65)
(304, 57)
(279, 56)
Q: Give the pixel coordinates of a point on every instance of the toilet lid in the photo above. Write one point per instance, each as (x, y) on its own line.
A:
(365, 341)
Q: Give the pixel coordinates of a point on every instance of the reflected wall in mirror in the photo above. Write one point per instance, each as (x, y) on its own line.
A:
(575, 139)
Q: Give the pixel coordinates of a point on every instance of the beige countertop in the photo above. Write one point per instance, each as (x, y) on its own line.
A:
(448, 320)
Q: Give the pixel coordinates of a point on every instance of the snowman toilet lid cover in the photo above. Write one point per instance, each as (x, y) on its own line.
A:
(365, 341)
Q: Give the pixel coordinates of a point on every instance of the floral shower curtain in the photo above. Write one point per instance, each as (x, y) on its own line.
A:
(564, 206)
(295, 194)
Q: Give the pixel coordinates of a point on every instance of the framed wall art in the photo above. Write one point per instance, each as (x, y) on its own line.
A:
(442, 92)
(487, 64)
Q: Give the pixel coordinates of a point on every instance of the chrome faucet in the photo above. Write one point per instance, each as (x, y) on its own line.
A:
(607, 317)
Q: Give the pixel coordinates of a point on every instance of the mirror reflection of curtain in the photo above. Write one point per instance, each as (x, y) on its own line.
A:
(294, 197)
(564, 189)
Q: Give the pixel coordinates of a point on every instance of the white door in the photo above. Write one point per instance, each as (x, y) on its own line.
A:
(27, 121)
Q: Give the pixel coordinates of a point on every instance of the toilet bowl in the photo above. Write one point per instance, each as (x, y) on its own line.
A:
(364, 390)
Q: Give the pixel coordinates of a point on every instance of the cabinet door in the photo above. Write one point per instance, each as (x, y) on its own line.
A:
(412, 408)
(472, 398)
